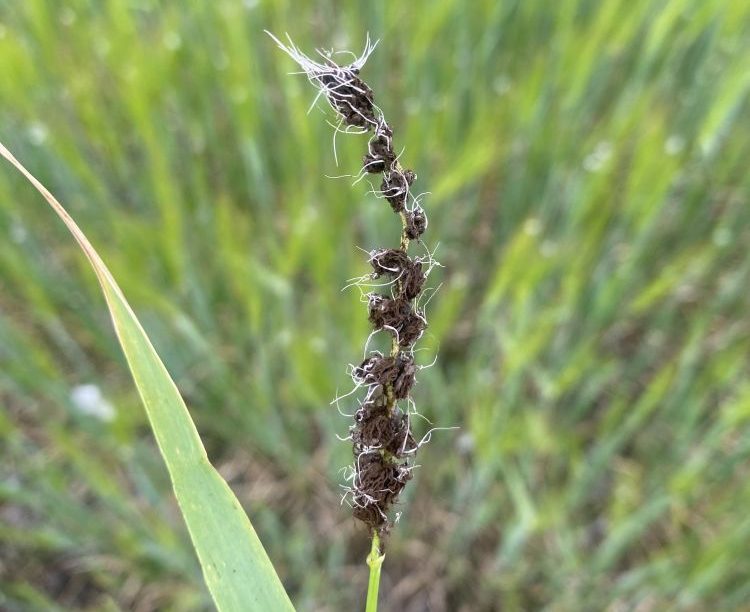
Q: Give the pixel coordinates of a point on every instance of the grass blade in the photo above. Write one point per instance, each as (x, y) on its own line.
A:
(236, 568)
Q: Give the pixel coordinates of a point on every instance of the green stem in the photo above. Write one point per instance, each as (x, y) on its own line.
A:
(404, 237)
(375, 561)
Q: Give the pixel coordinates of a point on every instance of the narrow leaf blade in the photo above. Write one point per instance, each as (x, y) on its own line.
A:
(236, 568)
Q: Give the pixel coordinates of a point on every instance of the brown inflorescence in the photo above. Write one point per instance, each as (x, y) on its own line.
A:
(383, 444)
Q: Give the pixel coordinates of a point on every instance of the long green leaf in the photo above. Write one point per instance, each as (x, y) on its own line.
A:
(236, 568)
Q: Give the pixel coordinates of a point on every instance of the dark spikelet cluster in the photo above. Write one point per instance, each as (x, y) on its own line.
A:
(397, 315)
(395, 263)
(383, 443)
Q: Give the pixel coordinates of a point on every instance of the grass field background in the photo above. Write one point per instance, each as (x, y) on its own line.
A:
(587, 163)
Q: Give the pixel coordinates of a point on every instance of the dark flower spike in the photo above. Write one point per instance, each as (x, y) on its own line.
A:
(382, 441)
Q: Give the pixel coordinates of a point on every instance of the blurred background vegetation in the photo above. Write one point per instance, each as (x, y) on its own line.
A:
(588, 167)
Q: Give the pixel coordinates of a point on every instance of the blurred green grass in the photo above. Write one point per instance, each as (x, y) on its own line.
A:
(587, 163)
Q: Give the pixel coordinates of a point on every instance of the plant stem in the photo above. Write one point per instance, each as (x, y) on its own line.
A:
(375, 561)
(404, 237)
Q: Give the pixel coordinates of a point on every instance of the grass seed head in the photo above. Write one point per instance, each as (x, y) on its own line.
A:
(381, 435)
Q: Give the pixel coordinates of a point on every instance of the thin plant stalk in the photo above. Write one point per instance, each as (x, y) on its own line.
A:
(375, 561)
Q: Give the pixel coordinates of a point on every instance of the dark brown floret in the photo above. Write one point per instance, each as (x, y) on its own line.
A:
(387, 312)
(380, 155)
(369, 515)
(397, 264)
(411, 331)
(384, 130)
(373, 432)
(384, 432)
(388, 262)
(398, 372)
(398, 316)
(416, 223)
(376, 369)
(377, 486)
(351, 97)
(401, 441)
(412, 280)
(373, 164)
(395, 187)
